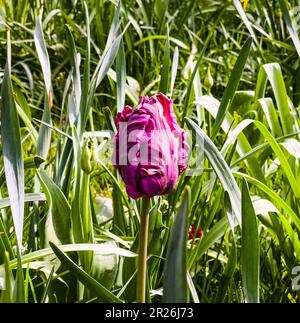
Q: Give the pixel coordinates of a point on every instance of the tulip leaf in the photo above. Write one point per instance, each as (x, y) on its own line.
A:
(279, 202)
(250, 248)
(222, 170)
(100, 248)
(292, 28)
(121, 77)
(231, 87)
(175, 279)
(164, 73)
(174, 69)
(42, 53)
(44, 136)
(88, 281)
(59, 207)
(29, 197)
(282, 158)
(12, 150)
(273, 73)
(208, 240)
(231, 265)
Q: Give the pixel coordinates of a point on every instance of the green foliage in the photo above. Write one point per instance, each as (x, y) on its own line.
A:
(64, 74)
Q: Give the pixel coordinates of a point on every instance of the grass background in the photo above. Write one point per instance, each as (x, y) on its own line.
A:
(67, 228)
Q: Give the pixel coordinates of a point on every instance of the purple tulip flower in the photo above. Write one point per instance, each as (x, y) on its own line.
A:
(150, 149)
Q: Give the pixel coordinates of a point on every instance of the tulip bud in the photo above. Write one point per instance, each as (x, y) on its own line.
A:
(86, 157)
(208, 81)
(278, 13)
(237, 118)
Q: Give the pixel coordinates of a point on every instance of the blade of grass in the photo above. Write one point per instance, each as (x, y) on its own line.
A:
(172, 39)
(87, 280)
(250, 248)
(6, 274)
(281, 156)
(208, 240)
(75, 64)
(12, 150)
(231, 265)
(292, 29)
(175, 279)
(243, 146)
(43, 54)
(273, 72)
(174, 69)
(59, 208)
(279, 202)
(260, 147)
(86, 74)
(121, 77)
(6, 243)
(19, 290)
(271, 116)
(231, 87)
(46, 289)
(243, 16)
(192, 288)
(44, 132)
(29, 197)
(222, 170)
(199, 60)
(165, 69)
(100, 248)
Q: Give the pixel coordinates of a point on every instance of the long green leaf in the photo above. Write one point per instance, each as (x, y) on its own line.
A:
(12, 150)
(42, 53)
(273, 72)
(222, 170)
(59, 208)
(44, 137)
(84, 103)
(195, 70)
(243, 146)
(87, 280)
(208, 240)
(271, 116)
(231, 87)
(279, 202)
(7, 281)
(100, 248)
(48, 283)
(19, 291)
(75, 63)
(243, 16)
(230, 268)
(107, 59)
(165, 69)
(174, 69)
(282, 158)
(29, 197)
(250, 248)
(175, 280)
(121, 77)
(292, 29)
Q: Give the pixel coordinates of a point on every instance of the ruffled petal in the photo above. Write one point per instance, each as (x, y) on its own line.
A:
(155, 147)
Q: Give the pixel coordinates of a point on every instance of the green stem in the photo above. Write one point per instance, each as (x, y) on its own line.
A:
(142, 254)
